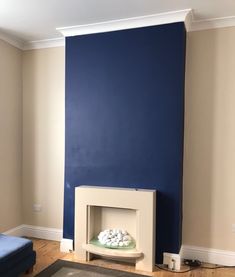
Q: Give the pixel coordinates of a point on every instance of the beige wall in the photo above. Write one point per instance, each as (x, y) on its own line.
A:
(209, 160)
(43, 136)
(10, 136)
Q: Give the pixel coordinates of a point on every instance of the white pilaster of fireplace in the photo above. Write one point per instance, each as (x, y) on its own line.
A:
(142, 201)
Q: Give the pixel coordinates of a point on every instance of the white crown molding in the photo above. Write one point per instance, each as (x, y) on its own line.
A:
(29, 45)
(188, 20)
(126, 23)
(212, 23)
(12, 40)
(36, 232)
(208, 255)
(45, 43)
(186, 16)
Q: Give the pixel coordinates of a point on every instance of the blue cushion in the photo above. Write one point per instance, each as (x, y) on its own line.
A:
(15, 253)
(10, 246)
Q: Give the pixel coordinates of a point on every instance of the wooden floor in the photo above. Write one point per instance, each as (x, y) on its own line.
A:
(48, 252)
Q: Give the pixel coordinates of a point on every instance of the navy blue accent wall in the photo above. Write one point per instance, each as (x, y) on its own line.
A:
(125, 119)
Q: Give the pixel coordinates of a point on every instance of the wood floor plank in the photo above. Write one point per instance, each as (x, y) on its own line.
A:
(49, 251)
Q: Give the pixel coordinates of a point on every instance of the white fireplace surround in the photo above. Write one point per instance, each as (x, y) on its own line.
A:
(98, 208)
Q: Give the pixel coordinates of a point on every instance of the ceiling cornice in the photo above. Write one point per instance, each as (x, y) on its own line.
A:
(12, 40)
(126, 23)
(45, 43)
(212, 23)
(185, 16)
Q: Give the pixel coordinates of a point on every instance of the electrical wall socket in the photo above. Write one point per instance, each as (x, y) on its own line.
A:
(233, 228)
(173, 261)
(37, 207)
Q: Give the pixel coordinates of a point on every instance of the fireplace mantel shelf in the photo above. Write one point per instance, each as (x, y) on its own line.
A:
(115, 253)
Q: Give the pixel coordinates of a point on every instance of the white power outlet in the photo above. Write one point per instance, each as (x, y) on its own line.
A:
(37, 207)
(233, 228)
(173, 261)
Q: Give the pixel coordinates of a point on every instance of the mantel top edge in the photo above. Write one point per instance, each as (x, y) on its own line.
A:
(115, 188)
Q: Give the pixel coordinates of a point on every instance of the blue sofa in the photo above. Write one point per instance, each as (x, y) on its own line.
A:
(16, 255)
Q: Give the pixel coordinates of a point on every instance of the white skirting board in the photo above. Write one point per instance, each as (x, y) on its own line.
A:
(208, 255)
(36, 232)
(66, 245)
(17, 231)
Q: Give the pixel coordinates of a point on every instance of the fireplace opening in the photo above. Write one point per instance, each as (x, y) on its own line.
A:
(118, 220)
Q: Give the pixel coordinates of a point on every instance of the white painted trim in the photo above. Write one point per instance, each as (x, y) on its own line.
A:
(45, 43)
(12, 40)
(36, 232)
(212, 23)
(188, 20)
(42, 232)
(29, 45)
(17, 231)
(126, 23)
(66, 245)
(208, 255)
(185, 16)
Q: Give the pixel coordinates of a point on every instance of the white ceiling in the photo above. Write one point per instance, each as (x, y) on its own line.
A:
(32, 20)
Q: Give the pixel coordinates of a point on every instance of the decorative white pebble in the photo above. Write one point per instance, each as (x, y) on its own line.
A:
(126, 243)
(126, 238)
(114, 238)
